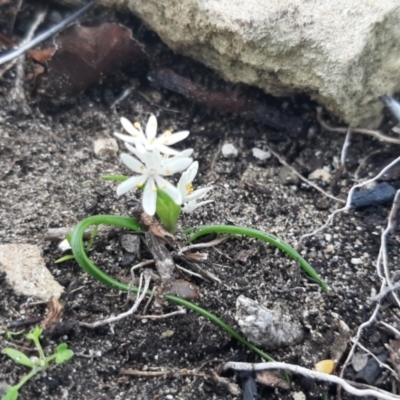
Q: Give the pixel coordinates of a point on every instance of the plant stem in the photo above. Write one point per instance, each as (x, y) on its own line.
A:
(88, 266)
(266, 237)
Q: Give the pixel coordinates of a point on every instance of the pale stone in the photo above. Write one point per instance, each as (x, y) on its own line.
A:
(270, 328)
(342, 54)
(104, 148)
(261, 154)
(26, 272)
(320, 174)
(229, 150)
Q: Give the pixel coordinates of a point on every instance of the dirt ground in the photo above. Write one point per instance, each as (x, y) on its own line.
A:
(50, 177)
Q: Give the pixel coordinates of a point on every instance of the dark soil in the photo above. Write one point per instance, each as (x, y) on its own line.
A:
(50, 177)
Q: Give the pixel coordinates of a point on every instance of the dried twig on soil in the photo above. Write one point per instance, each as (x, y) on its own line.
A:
(368, 132)
(316, 187)
(140, 296)
(369, 391)
(347, 206)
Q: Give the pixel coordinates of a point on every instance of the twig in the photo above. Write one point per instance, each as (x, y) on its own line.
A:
(188, 271)
(368, 132)
(350, 198)
(391, 328)
(378, 393)
(45, 35)
(180, 311)
(212, 243)
(316, 187)
(141, 294)
(345, 147)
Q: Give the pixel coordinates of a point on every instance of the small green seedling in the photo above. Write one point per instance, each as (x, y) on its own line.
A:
(61, 355)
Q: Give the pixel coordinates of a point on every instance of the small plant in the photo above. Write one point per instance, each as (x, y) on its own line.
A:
(37, 365)
(151, 159)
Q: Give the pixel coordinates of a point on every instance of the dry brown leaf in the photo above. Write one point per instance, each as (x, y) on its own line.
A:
(85, 55)
(272, 379)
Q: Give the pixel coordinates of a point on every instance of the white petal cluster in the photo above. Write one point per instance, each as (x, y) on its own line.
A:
(152, 159)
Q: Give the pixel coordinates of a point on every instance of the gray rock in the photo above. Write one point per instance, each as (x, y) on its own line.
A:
(130, 243)
(104, 148)
(341, 54)
(26, 272)
(270, 328)
(287, 177)
(229, 150)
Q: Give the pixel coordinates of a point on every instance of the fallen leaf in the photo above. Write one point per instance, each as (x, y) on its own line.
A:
(85, 55)
(272, 379)
(325, 366)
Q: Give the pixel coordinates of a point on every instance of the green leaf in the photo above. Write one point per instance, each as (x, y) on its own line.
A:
(265, 237)
(68, 236)
(63, 355)
(18, 357)
(167, 210)
(35, 334)
(115, 178)
(65, 258)
(11, 393)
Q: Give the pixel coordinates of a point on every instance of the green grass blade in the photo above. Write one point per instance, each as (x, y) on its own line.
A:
(265, 237)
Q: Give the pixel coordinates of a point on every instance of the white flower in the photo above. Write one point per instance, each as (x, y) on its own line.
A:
(152, 167)
(149, 140)
(189, 196)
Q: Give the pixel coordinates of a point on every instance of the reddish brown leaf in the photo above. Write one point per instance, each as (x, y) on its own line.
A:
(42, 56)
(85, 55)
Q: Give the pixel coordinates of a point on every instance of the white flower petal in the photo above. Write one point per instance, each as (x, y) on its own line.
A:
(197, 194)
(149, 199)
(151, 128)
(170, 189)
(169, 139)
(171, 167)
(192, 171)
(132, 163)
(125, 138)
(129, 184)
(192, 205)
(137, 134)
(141, 155)
(166, 150)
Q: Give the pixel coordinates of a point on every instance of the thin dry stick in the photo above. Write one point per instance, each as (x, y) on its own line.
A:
(212, 243)
(391, 224)
(368, 132)
(140, 296)
(350, 198)
(316, 187)
(180, 311)
(17, 93)
(378, 393)
(152, 374)
(188, 271)
(391, 328)
(345, 147)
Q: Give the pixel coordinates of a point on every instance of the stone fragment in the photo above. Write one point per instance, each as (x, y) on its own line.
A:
(229, 150)
(287, 177)
(26, 272)
(341, 55)
(130, 243)
(359, 361)
(104, 148)
(261, 154)
(270, 328)
(381, 193)
(320, 174)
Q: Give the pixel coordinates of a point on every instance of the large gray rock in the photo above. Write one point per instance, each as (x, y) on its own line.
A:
(343, 54)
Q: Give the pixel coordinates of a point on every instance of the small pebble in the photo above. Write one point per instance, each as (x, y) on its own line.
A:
(229, 150)
(261, 154)
(380, 194)
(104, 148)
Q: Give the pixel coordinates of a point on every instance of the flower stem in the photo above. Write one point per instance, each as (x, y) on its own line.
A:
(88, 266)
(266, 237)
